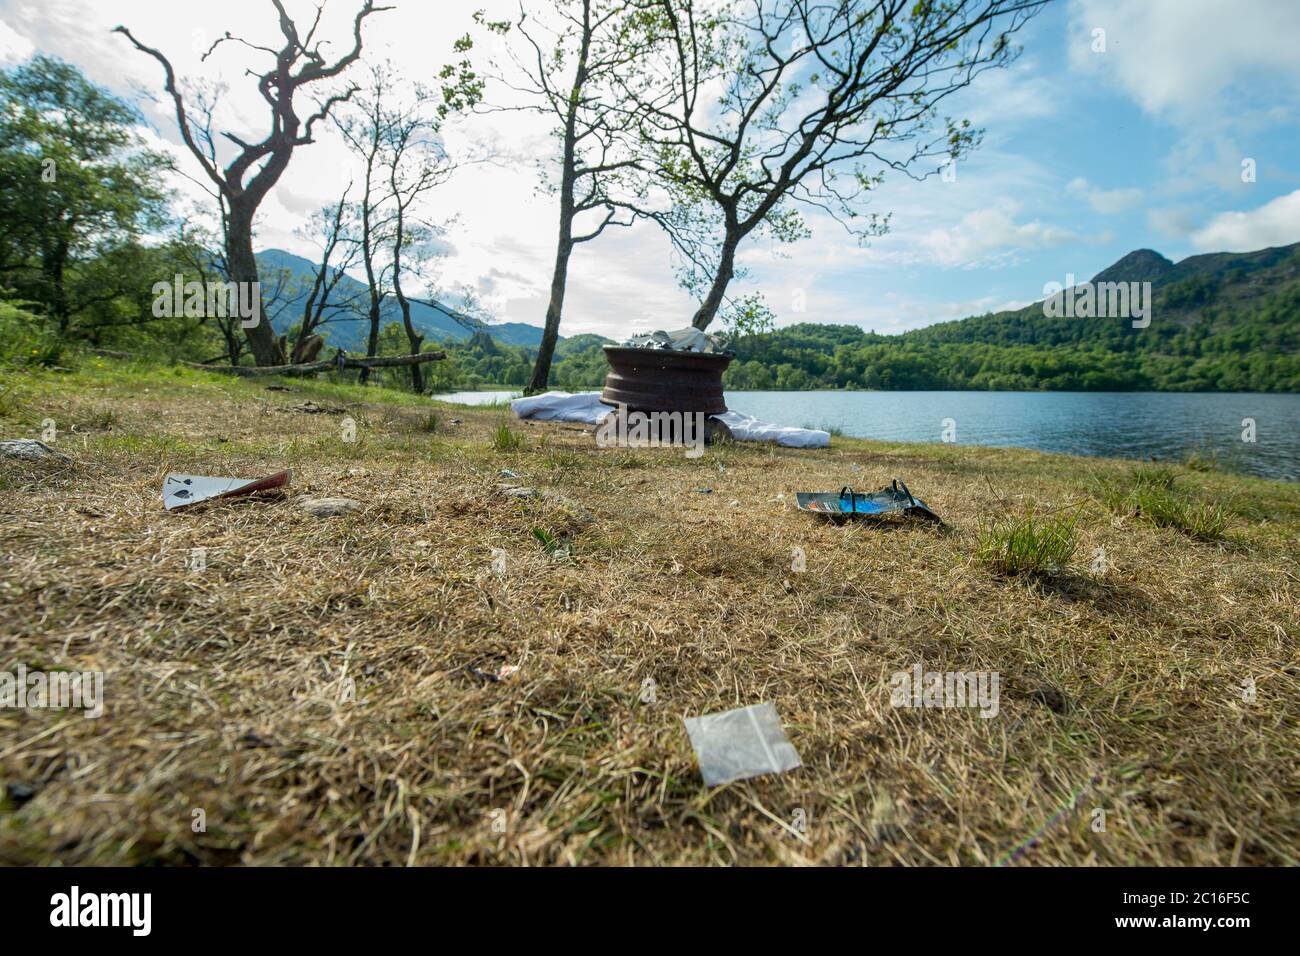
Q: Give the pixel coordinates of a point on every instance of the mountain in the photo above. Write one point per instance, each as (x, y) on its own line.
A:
(1217, 301)
(438, 322)
(1143, 265)
(1219, 322)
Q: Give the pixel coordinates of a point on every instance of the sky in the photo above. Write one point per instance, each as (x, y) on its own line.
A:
(1172, 125)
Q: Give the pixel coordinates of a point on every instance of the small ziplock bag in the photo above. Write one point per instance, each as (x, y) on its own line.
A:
(739, 744)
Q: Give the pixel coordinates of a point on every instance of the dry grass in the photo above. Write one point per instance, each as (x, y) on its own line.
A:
(228, 691)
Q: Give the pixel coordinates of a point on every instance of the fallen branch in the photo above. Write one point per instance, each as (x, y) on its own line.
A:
(338, 363)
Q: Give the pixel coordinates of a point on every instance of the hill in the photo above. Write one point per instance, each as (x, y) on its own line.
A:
(1219, 322)
(439, 322)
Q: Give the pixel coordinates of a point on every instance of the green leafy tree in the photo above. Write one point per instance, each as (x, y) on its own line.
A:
(76, 185)
(755, 109)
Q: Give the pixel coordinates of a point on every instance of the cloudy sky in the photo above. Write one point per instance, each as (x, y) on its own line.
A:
(1088, 154)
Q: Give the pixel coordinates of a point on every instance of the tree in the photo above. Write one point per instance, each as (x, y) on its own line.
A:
(75, 185)
(195, 253)
(395, 132)
(257, 166)
(417, 163)
(335, 228)
(774, 105)
(567, 72)
(365, 128)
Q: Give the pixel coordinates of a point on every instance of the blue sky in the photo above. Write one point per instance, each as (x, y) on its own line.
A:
(1087, 156)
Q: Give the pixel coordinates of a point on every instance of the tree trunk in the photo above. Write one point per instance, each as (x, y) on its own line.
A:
(412, 336)
(243, 268)
(372, 343)
(232, 343)
(726, 271)
(54, 268)
(554, 310)
(568, 209)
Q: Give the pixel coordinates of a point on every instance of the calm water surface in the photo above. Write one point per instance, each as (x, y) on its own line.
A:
(1115, 424)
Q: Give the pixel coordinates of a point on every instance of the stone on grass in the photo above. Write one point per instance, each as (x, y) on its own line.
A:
(329, 507)
(29, 449)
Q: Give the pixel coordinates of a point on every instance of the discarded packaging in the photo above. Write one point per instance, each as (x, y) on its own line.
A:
(739, 744)
(891, 498)
(181, 491)
(682, 340)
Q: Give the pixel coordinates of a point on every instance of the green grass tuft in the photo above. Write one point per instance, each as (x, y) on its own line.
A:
(1151, 493)
(1029, 544)
(504, 439)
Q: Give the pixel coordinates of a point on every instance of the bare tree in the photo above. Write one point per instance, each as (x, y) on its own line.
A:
(340, 251)
(195, 251)
(365, 128)
(567, 72)
(417, 163)
(258, 166)
(776, 103)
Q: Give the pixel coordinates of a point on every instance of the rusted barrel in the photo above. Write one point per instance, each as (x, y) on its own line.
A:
(663, 380)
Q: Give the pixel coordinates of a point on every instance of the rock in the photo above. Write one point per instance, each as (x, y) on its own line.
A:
(29, 449)
(512, 491)
(329, 507)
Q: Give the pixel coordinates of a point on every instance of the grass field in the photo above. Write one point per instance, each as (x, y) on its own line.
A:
(324, 691)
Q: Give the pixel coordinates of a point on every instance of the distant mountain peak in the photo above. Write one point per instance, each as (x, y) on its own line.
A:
(1140, 265)
(435, 320)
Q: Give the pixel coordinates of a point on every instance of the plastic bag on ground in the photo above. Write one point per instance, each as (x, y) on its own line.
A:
(739, 744)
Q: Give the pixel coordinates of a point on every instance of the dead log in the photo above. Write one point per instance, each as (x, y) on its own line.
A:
(338, 363)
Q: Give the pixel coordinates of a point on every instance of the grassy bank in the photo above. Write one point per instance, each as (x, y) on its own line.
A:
(324, 691)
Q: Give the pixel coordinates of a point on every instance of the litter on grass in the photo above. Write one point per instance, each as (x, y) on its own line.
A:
(588, 409)
(739, 744)
(681, 340)
(181, 491)
(848, 502)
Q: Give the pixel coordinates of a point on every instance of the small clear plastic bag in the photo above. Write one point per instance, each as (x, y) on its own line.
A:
(739, 744)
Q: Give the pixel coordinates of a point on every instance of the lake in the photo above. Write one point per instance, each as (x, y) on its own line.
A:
(1168, 425)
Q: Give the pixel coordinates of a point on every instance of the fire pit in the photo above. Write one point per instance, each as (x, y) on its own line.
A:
(665, 380)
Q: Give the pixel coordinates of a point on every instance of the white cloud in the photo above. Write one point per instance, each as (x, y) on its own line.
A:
(1192, 61)
(1105, 201)
(1276, 223)
(14, 48)
(1173, 222)
(987, 236)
